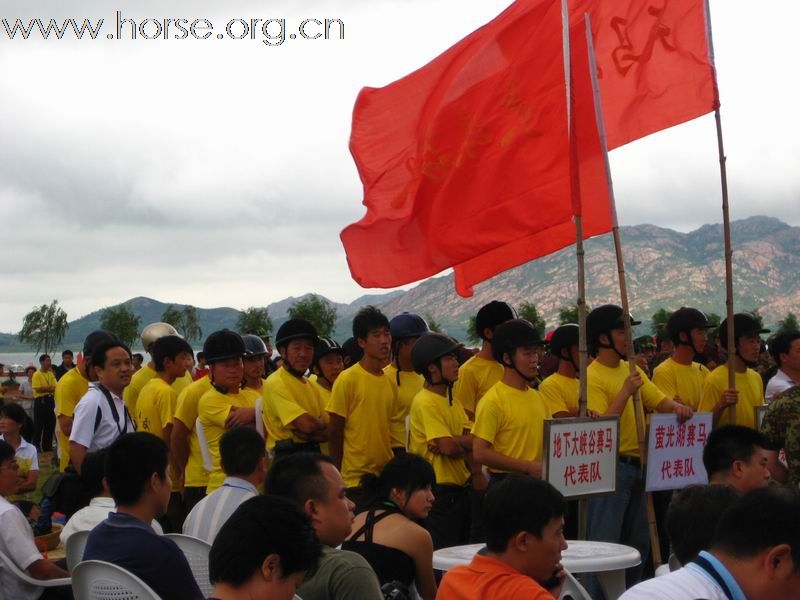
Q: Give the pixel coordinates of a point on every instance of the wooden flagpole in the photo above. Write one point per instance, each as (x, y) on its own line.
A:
(623, 291)
(726, 223)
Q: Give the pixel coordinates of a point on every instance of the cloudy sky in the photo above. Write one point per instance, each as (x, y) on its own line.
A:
(216, 172)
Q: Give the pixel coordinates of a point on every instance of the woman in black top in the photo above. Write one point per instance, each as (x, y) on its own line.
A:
(398, 548)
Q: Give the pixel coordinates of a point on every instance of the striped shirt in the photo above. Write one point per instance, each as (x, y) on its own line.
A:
(210, 514)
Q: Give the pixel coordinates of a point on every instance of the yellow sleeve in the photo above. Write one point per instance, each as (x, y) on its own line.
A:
(597, 399)
(553, 400)
(487, 420)
(167, 400)
(186, 409)
(339, 403)
(711, 396)
(650, 394)
(215, 411)
(466, 389)
(432, 422)
(664, 379)
(38, 380)
(283, 405)
(397, 423)
(64, 395)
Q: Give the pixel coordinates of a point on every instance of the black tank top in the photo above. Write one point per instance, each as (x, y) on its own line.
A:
(389, 564)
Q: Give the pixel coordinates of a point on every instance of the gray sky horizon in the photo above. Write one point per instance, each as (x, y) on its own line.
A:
(217, 172)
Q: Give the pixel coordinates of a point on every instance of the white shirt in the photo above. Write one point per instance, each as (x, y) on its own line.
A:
(688, 583)
(27, 458)
(90, 516)
(211, 513)
(110, 429)
(780, 382)
(16, 542)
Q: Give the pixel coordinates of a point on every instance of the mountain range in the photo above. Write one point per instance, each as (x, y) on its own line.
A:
(665, 269)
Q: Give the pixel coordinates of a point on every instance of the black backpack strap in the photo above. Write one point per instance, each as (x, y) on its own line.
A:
(114, 411)
(704, 564)
(97, 418)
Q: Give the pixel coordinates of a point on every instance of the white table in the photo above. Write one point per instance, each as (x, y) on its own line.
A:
(608, 561)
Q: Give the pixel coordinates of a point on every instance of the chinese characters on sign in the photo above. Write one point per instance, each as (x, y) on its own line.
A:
(675, 451)
(581, 455)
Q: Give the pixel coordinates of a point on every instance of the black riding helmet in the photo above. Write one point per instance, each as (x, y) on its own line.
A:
(253, 346)
(294, 329)
(430, 349)
(603, 320)
(402, 327)
(324, 347)
(563, 338)
(222, 345)
(509, 336)
(684, 320)
(493, 314)
(743, 324)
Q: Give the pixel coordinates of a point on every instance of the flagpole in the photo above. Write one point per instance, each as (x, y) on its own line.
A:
(726, 221)
(623, 291)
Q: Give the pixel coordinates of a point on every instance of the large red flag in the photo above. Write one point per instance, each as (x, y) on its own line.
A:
(465, 154)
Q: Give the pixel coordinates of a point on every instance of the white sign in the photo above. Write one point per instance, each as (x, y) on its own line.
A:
(675, 451)
(581, 455)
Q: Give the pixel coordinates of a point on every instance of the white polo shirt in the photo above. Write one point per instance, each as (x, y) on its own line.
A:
(780, 382)
(16, 542)
(109, 429)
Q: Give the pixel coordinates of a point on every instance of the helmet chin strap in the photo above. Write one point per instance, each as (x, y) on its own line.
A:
(513, 365)
(749, 363)
(443, 380)
(569, 358)
(614, 348)
(690, 343)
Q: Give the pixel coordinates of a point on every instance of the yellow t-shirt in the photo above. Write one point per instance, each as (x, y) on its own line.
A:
(605, 383)
(69, 390)
(684, 381)
(512, 421)
(195, 474)
(324, 394)
(410, 384)
(138, 381)
(42, 379)
(475, 378)
(560, 393)
(433, 417)
(214, 408)
(751, 394)
(285, 399)
(373, 421)
(155, 407)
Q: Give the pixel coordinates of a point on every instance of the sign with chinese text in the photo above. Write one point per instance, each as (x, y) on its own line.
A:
(581, 455)
(675, 451)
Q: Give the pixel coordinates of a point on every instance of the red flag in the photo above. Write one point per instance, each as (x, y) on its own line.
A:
(465, 154)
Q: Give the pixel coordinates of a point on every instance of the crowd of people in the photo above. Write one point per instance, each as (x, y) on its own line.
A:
(337, 471)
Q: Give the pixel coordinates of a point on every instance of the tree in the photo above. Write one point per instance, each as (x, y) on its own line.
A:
(658, 323)
(472, 331)
(44, 327)
(713, 332)
(121, 321)
(172, 315)
(317, 311)
(433, 324)
(789, 324)
(185, 320)
(529, 312)
(254, 321)
(569, 314)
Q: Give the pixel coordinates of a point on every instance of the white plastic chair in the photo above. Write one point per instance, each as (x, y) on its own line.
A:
(196, 552)
(98, 580)
(76, 544)
(7, 564)
(572, 589)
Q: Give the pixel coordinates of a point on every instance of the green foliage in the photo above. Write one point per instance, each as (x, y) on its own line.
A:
(185, 320)
(44, 327)
(121, 321)
(659, 322)
(789, 324)
(254, 321)
(569, 314)
(529, 312)
(433, 324)
(472, 333)
(316, 310)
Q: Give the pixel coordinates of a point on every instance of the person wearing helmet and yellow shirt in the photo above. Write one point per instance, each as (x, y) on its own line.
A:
(224, 405)
(679, 376)
(185, 447)
(406, 328)
(328, 364)
(293, 411)
(482, 371)
(561, 390)
(749, 392)
(149, 335)
(254, 369)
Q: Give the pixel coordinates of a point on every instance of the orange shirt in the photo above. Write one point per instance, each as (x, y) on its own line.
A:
(488, 578)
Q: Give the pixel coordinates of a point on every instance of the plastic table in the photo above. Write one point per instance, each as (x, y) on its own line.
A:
(607, 560)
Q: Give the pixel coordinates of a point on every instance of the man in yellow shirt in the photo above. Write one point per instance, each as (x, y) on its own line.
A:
(149, 335)
(509, 425)
(438, 434)
(185, 446)
(749, 392)
(679, 377)
(44, 416)
(293, 412)
(482, 371)
(621, 517)
(219, 407)
(561, 390)
(366, 420)
(406, 328)
(71, 388)
(328, 364)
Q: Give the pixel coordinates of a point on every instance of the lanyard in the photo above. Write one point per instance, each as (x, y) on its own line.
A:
(114, 411)
(706, 565)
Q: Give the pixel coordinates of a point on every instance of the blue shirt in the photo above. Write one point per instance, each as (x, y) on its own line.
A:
(132, 544)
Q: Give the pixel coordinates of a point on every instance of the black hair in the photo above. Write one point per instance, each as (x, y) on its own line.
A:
(30, 368)
(262, 526)
(519, 503)
(692, 517)
(408, 472)
(759, 520)
(99, 353)
(780, 344)
(138, 355)
(132, 459)
(168, 346)
(240, 450)
(43, 358)
(66, 353)
(93, 469)
(299, 477)
(730, 443)
(14, 412)
(7, 451)
(201, 355)
(367, 319)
